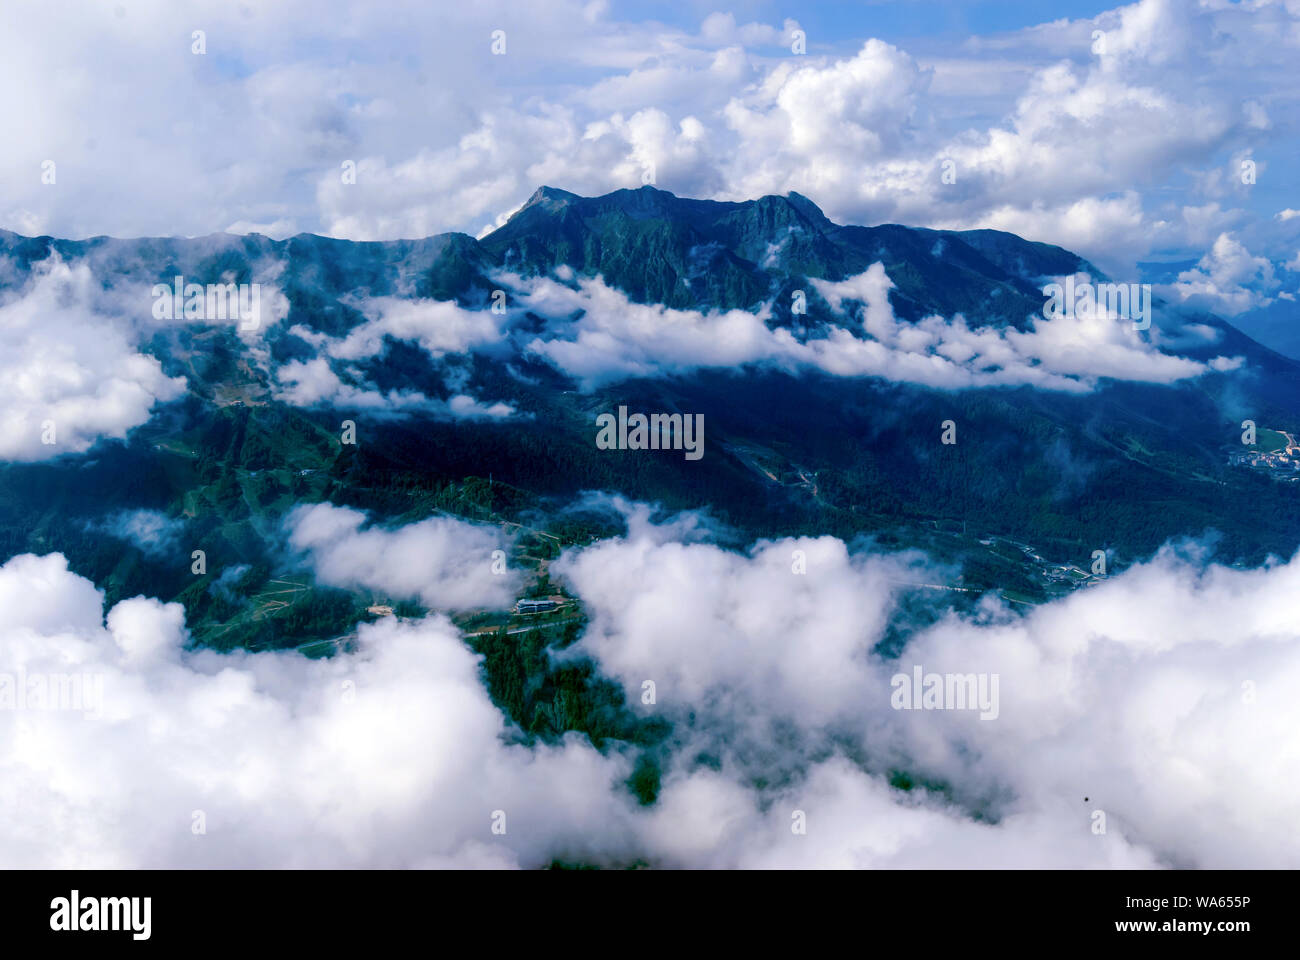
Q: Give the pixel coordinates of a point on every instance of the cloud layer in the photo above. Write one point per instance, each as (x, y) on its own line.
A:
(613, 338)
(1160, 695)
(447, 564)
(74, 342)
(69, 373)
(392, 757)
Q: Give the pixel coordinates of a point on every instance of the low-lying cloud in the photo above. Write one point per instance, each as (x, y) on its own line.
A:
(70, 374)
(1160, 695)
(152, 531)
(598, 335)
(445, 563)
(394, 756)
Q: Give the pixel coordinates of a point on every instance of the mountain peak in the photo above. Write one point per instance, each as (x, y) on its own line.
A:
(807, 207)
(648, 200)
(551, 197)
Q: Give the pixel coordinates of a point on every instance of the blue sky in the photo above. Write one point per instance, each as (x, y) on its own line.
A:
(892, 20)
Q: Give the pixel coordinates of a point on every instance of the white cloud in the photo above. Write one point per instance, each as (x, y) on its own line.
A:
(1228, 279)
(391, 756)
(276, 229)
(310, 383)
(463, 405)
(1161, 695)
(818, 120)
(151, 530)
(721, 28)
(1088, 224)
(614, 338)
(447, 564)
(65, 364)
(394, 756)
(857, 822)
(439, 327)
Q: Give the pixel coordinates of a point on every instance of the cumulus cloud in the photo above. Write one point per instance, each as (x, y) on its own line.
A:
(867, 132)
(1228, 279)
(1161, 695)
(821, 120)
(77, 336)
(445, 563)
(394, 756)
(759, 616)
(70, 374)
(1095, 224)
(463, 405)
(306, 383)
(858, 822)
(612, 338)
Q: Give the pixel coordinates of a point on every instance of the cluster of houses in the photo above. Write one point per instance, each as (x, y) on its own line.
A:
(1069, 573)
(1061, 574)
(1283, 464)
(1277, 460)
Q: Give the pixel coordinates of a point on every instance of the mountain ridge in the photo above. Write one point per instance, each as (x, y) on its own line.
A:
(1123, 466)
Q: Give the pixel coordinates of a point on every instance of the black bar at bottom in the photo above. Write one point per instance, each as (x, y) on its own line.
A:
(906, 909)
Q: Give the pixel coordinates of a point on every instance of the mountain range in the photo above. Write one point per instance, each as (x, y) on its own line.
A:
(1115, 463)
